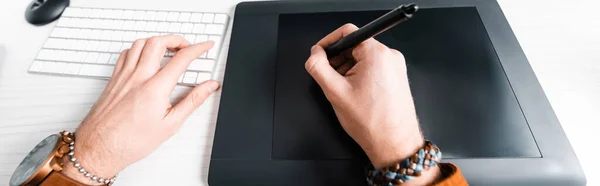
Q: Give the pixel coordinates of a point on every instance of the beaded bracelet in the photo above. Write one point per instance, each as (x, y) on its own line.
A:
(407, 169)
(82, 170)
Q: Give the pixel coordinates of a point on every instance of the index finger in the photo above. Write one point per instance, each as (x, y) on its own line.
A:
(337, 34)
(167, 76)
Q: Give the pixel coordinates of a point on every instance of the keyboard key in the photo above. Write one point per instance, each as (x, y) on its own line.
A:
(103, 58)
(212, 53)
(36, 66)
(190, 37)
(52, 67)
(186, 28)
(96, 70)
(95, 13)
(118, 14)
(45, 54)
(129, 36)
(127, 14)
(117, 36)
(73, 32)
(92, 57)
(202, 77)
(174, 27)
(81, 44)
(63, 22)
(128, 25)
(70, 44)
(106, 23)
(126, 46)
(161, 16)
(52, 43)
(107, 14)
(153, 34)
(117, 24)
(207, 18)
(59, 32)
(198, 28)
(86, 23)
(139, 25)
(190, 77)
(115, 47)
(80, 56)
(151, 26)
(113, 59)
(149, 16)
(83, 34)
(220, 18)
(162, 26)
(196, 18)
(95, 34)
(201, 38)
(73, 68)
(103, 46)
(69, 12)
(67, 55)
(184, 17)
(92, 45)
(214, 29)
(172, 16)
(202, 65)
(138, 15)
(106, 34)
(180, 80)
(141, 35)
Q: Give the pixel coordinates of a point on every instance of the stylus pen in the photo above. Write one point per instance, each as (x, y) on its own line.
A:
(379, 25)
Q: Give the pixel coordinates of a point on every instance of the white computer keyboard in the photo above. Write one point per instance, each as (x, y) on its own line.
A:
(87, 41)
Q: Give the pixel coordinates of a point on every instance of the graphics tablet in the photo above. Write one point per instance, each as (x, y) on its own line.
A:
(476, 97)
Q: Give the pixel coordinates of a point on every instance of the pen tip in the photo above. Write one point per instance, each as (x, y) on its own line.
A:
(411, 8)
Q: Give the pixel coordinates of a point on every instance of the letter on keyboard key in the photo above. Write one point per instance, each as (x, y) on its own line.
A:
(220, 18)
(207, 18)
(196, 18)
(202, 77)
(173, 16)
(187, 27)
(184, 17)
(103, 58)
(214, 29)
(201, 65)
(96, 70)
(190, 77)
(73, 68)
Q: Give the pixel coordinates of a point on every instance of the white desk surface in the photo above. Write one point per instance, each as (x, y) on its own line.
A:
(561, 39)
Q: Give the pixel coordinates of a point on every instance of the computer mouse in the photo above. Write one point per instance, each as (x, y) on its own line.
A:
(41, 12)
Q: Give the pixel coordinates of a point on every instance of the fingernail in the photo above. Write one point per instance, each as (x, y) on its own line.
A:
(213, 86)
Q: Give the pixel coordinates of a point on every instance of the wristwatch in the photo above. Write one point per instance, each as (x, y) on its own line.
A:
(43, 164)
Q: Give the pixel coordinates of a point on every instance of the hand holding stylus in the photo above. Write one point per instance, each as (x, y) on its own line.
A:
(369, 91)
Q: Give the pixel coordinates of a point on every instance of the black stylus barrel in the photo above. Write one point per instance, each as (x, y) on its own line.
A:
(379, 25)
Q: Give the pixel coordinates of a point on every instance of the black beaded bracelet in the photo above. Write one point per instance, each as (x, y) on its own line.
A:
(407, 169)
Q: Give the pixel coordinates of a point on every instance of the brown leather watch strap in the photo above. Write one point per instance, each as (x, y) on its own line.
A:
(58, 179)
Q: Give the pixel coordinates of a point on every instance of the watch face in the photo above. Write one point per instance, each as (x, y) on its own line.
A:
(34, 160)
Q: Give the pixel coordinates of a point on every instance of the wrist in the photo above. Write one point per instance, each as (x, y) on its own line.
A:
(70, 171)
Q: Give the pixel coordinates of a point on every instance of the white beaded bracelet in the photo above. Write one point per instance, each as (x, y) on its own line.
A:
(83, 171)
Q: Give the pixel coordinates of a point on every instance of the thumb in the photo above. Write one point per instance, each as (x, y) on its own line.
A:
(192, 101)
(319, 68)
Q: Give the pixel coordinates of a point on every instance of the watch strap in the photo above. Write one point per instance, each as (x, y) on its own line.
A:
(58, 179)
